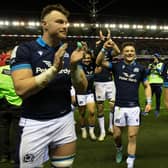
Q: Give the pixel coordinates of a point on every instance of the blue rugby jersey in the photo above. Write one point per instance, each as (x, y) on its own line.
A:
(54, 100)
(127, 79)
(165, 75)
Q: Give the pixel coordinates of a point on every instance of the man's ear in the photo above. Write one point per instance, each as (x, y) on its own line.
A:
(44, 24)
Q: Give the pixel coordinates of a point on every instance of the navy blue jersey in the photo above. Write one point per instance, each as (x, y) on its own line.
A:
(105, 75)
(165, 75)
(89, 72)
(127, 80)
(54, 100)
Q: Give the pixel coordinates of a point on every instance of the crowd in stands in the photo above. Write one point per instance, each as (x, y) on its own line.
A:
(145, 47)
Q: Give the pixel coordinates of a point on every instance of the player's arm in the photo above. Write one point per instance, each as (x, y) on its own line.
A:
(100, 58)
(79, 80)
(148, 95)
(26, 84)
(116, 50)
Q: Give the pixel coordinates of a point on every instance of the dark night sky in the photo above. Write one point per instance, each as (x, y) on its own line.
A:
(105, 9)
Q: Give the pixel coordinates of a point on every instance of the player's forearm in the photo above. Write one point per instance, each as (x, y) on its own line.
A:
(45, 77)
(100, 57)
(148, 94)
(28, 85)
(79, 80)
(116, 50)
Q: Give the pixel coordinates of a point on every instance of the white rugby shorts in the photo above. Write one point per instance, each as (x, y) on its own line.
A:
(105, 91)
(38, 136)
(127, 116)
(83, 100)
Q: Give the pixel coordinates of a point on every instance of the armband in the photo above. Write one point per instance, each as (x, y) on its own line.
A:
(103, 50)
(149, 101)
(45, 77)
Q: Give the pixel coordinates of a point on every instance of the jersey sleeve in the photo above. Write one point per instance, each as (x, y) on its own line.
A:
(20, 57)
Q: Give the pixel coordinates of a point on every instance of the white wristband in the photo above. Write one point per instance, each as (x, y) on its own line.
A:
(149, 101)
(103, 50)
(45, 77)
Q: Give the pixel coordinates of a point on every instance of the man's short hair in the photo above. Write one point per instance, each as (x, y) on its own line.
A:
(125, 44)
(55, 7)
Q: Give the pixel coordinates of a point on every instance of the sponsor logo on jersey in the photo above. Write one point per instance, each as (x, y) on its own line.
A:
(40, 53)
(64, 71)
(136, 70)
(48, 63)
(128, 77)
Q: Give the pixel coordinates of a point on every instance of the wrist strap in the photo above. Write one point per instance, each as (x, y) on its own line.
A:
(103, 50)
(149, 101)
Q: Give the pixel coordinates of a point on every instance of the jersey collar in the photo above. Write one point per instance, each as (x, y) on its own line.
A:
(42, 43)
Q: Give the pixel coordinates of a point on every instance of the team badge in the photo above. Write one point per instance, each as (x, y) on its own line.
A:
(136, 70)
(28, 158)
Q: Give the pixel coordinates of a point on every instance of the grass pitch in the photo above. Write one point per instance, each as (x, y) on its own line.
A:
(152, 144)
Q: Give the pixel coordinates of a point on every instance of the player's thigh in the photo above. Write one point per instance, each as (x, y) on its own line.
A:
(64, 150)
(91, 107)
(133, 131)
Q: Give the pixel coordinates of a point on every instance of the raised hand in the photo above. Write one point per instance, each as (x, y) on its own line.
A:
(109, 44)
(59, 56)
(76, 56)
(147, 107)
(103, 37)
(108, 34)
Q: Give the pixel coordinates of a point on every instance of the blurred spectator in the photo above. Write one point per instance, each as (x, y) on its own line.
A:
(4, 56)
(10, 108)
(156, 81)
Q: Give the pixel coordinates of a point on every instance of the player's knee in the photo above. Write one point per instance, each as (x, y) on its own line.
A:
(132, 137)
(62, 162)
(92, 114)
(116, 135)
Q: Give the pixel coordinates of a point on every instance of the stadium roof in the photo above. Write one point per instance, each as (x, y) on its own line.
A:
(89, 10)
(150, 14)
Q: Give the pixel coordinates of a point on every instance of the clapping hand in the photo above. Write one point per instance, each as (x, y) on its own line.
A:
(59, 56)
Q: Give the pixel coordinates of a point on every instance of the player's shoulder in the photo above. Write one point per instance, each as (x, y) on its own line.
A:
(141, 66)
(28, 44)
